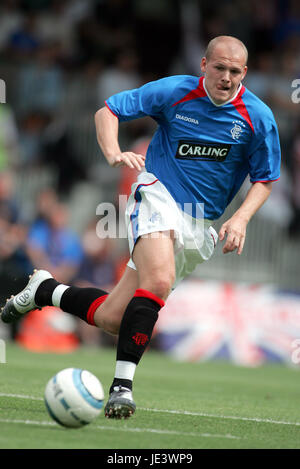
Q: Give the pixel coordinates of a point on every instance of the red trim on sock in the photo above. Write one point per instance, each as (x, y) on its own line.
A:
(148, 294)
(92, 309)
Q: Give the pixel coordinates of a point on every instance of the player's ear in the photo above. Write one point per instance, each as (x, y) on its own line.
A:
(203, 64)
(244, 72)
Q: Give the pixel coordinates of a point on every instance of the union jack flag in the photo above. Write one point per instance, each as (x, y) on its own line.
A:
(247, 324)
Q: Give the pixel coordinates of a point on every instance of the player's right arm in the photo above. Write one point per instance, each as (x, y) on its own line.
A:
(148, 100)
(107, 131)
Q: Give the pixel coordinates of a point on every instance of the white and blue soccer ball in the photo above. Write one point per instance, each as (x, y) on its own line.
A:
(74, 397)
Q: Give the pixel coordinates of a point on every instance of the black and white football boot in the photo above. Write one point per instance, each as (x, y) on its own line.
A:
(22, 303)
(120, 404)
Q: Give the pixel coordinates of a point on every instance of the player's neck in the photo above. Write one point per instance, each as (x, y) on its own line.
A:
(226, 102)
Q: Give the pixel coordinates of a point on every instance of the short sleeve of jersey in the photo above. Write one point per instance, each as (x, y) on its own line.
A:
(148, 100)
(265, 155)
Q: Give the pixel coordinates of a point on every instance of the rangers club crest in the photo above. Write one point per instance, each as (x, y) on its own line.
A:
(237, 129)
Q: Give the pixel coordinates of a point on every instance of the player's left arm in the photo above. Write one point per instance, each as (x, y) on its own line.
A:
(234, 229)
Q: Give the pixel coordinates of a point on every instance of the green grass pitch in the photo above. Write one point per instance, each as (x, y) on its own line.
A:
(211, 405)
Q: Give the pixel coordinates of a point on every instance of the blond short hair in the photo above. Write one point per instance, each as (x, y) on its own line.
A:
(219, 39)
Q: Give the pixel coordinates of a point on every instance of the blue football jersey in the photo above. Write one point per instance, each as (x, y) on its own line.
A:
(202, 152)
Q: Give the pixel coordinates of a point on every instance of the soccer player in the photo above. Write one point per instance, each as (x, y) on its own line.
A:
(212, 132)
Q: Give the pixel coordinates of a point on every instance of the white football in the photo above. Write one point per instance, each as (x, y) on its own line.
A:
(74, 397)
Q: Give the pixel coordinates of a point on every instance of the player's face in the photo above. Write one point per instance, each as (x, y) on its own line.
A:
(224, 71)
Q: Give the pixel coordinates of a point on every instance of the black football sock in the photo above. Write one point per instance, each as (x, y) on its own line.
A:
(80, 302)
(83, 302)
(135, 333)
(43, 295)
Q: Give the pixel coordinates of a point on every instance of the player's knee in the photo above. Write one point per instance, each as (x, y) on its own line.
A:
(110, 325)
(108, 320)
(160, 284)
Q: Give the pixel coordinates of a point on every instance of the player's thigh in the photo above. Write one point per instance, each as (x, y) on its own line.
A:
(154, 259)
(110, 313)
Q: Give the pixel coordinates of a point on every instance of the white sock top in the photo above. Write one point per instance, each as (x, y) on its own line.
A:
(125, 370)
(58, 293)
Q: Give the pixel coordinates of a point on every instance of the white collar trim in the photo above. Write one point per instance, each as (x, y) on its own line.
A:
(226, 102)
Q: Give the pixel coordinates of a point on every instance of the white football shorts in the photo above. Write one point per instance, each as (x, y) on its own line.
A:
(151, 208)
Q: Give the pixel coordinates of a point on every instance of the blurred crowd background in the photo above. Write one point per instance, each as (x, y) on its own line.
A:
(60, 59)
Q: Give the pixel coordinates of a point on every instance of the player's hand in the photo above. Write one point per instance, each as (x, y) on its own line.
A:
(234, 230)
(130, 159)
